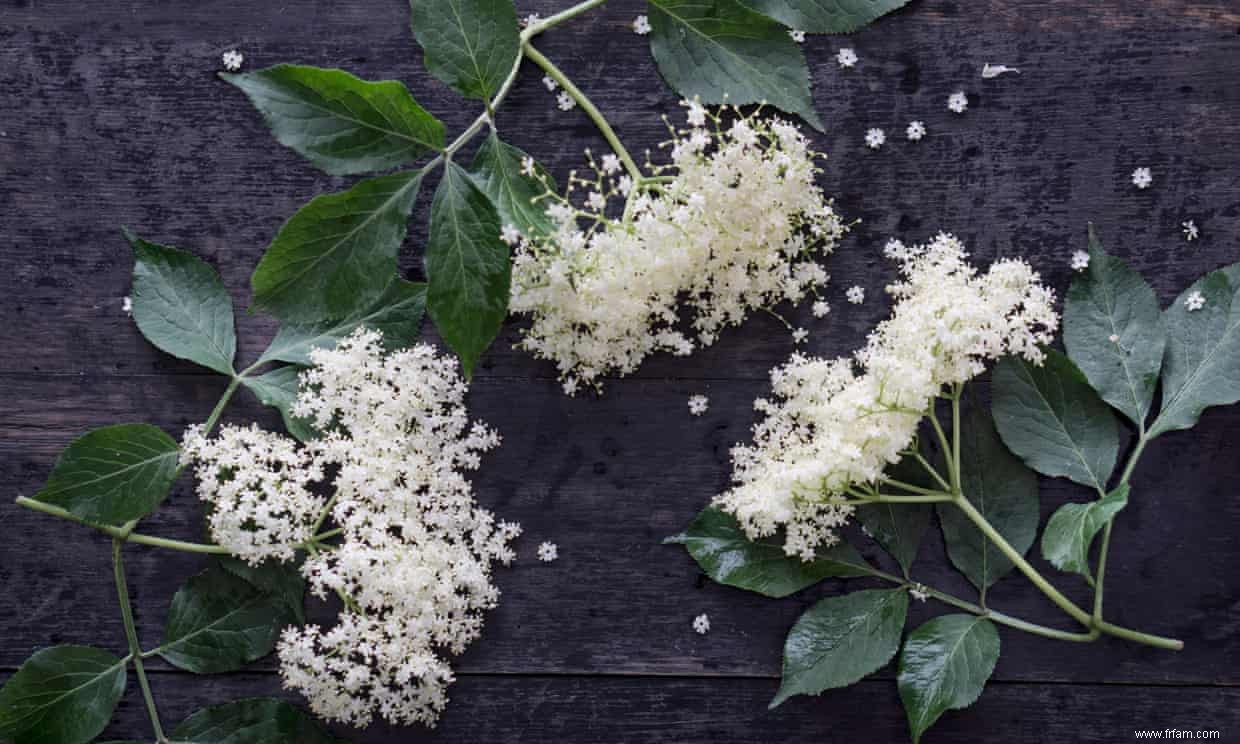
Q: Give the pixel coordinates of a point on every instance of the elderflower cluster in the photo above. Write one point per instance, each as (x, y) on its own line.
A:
(733, 223)
(413, 561)
(837, 423)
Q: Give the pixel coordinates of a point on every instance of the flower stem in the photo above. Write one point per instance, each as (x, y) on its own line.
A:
(587, 106)
(131, 633)
(535, 29)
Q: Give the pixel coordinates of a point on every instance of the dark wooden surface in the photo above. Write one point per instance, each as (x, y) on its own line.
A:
(110, 114)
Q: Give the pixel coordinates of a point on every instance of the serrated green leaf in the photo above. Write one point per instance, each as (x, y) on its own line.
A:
(278, 389)
(397, 314)
(715, 540)
(113, 474)
(467, 267)
(1072, 528)
(722, 51)
(252, 721)
(944, 666)
(337, 255)
(498, 172)
(61, 695)
(899, 527)
(1202, 365)
(1111, 300)
(1052, 419)
(341, 123)
(280, 579)
(471, 45)
(840, 640)
(825, 16)
(1003, 490)
(181, 306)
(219, 622)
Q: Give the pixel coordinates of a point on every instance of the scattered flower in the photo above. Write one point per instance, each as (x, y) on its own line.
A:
(510, 234)
(696, 114)
(958, 102)
(1195, 301)
(855, 294)
(1113, 338)
(549, 83)
(1080, 260)
(821, 308)
(1191, 232)
(611, 163)
(548, 551)
(530, 20)
(916, 130)
(874, 138)
(919, 592)
(847, 57)
(232, 60)
(529, 167)
(993, 71)
(1142, 178)
(799, 335)
(127, 305)
(797, 35)
(565, 101)
(698, 404)
(701, 624)
(641, 25)
(835, 423)
(896, 250)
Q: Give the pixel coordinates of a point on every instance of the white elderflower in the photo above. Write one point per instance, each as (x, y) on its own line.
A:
(641, 25)
(847, 57)
(127, 305)
(855, 294)
(510, 234)
(232, 60)
(529, 167)
(1191, 232)
(916, 130)
(919, 592)
(549, 83)
(1080, 260)
(547, 552)
(564, 101)
(820, 308)
(611, 163)
(833, 424)
(993, 71)
(735, 224)
(701, 624)
(530, 20)
(1142, 178)
(874, 138)
(1113, 338)
(797, 35)
(896, 250)
(958, 102)
(799, 335)
(698, 404)
(1195, 301)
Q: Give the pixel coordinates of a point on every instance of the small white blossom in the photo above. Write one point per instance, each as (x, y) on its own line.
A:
(1190, 229)
(698, 404)
(530, 20)
(696, 115)
(641, 25)
(549, 83)
(896, 250)
(874, 138)
(1142, 178)
(528, 167)
(958, 102)
(564, 101)
(797, 35)
(1113, 338)
(992, 71)
(548, 551)
(866, 531)
(1080, 260)
(799, 335)
(510, 234)
(855, 294)
(847, 57)
(1195, 301)
(233, 60)
(596, 201)
(701, 624)
(611, 163)
(916, 130)
(127, 305)
(821, 308)
(919, 592)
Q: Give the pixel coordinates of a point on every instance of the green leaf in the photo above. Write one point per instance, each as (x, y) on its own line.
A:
(220, 621)
(1072, 528)
(397, 314)
(279, 579)
(1003, 490)
(1052, 419)
(467, 267)
(1111, 300)
(1202, 368)
(825, 16)
(840, 640)
(341, 123)
(337, 255)
(181, 306)
(497, 171)
(61, 695)
(720, 547)
(899, 527)
(944, 666)
(252, 721)
(278, 389)
(471, 45)
(721, 50)
(113, 474)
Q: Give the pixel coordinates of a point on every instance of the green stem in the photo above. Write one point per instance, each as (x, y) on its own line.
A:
(555, 20)
(131, 633)
(1171, 644)
(587, 106)
(934, 473)
(952, 475)
(956, 434)
(912, 488)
